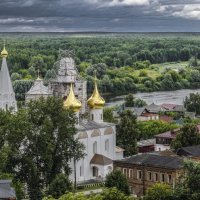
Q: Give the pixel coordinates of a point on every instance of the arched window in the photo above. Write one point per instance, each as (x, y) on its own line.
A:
(95, 133)
(107, 145)
(95, 147)
(108, 131)
(82, 135)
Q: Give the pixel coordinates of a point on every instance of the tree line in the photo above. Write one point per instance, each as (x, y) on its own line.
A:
(114, 57)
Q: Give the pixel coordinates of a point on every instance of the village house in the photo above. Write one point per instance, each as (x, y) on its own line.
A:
(192, 152)
(144, 170)
(145, 146)
(160, 142)
(164, 140)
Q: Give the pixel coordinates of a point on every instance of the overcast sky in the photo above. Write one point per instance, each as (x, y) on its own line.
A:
(100, 15)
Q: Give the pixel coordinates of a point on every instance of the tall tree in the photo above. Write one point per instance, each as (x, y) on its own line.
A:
(128, 132)
(192, 103)
(188, 136)
(41, 138)
(129, 100)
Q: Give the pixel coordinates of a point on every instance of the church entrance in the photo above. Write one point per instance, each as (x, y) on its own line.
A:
(95, 172)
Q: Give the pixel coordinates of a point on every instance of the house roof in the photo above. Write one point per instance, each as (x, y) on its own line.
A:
(38, 88)
(148, 142)
(179, 108)
(189, 151)
(168, 106)
(6, 191)
(154, 160)
(138, 111)
(99, 159)
(90, 125)
(153, 108)
(169, 134)
(149, 114)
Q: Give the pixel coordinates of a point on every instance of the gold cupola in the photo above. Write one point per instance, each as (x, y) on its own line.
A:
(96, 101)
(4, 52)
(72, 101)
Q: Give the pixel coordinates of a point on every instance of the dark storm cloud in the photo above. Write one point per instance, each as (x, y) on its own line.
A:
(99, 15)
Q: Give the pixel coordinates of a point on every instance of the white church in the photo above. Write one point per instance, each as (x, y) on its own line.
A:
(98, 137)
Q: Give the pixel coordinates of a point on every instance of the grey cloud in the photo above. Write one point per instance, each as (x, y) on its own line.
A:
(99, 15)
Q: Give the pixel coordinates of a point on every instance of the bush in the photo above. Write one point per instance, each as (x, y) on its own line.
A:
(118, 180)
(59, 186)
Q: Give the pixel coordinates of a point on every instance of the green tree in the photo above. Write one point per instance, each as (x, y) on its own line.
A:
(193, 62)
(128, 132)
(59, 185)
(192, 170)
(117, 179)
(188, 187)
(129, 100)
(140, 103)
(41, 138)
(107, 194)
(151, 128)
(192, 103)
(108, 115)
(188, 136)
(159, 191)
(114, 194)
(100, 70)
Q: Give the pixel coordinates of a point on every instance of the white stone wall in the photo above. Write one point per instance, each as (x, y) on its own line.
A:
(84, 164)
(161, 147)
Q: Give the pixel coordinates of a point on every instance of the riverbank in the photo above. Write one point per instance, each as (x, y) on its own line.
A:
(175, 97)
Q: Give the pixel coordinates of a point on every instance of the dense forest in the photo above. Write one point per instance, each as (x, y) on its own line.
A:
(124, 62)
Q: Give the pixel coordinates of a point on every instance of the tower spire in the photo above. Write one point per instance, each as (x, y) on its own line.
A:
(4, 52)
(96, 101)
(96, 104)
(7, 95)
(72, 101)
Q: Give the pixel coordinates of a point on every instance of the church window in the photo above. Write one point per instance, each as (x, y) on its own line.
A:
(107, 145)
(82, 135)
(95, 133)
(95, 147)
(92, 117)
(108, 131)
(80, 171)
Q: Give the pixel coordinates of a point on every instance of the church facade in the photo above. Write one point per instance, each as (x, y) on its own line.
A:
(98, 137)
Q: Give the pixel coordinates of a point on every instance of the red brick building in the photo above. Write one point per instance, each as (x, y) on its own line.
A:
(144, 170)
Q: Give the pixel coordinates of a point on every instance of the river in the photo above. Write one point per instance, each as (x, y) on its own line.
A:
(175, 97)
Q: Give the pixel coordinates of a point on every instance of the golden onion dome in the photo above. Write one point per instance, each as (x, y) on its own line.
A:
(96, 101)
(72, 101)
(4, 53)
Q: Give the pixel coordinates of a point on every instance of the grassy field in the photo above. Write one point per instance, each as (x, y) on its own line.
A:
(153, 71)
(174, 65)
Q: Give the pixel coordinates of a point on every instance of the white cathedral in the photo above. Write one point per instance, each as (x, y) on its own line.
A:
(98, 137)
